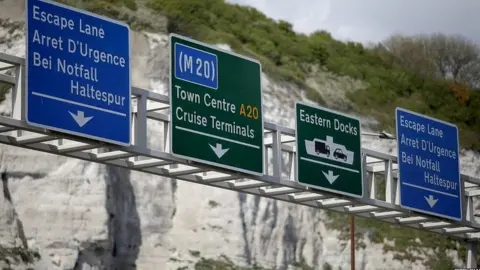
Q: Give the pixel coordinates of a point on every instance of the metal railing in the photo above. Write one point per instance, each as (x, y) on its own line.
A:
(277, 183)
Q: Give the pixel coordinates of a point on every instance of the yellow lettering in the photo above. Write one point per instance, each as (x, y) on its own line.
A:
(242, 110)
(250, 111)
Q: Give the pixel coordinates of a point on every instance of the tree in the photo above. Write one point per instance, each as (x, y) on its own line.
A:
(438, 55)
(452, 55)
(409, 52)
(470, 74)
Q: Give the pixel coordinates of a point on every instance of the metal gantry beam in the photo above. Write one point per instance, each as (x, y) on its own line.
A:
(276, 183)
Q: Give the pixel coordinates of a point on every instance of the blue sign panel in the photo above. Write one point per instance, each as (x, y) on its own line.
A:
(78, 73)
(429, 166)
(196, 66)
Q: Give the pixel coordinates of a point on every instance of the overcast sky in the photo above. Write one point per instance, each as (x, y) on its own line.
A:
(374, 20)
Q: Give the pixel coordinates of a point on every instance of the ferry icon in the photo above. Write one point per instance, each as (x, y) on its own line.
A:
(329, 150)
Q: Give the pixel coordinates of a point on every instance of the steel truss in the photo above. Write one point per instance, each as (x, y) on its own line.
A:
(277, 183)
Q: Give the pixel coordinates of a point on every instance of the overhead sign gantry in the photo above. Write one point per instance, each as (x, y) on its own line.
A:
(430, 193)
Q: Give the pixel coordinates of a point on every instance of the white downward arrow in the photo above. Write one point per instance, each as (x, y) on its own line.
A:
(330, 177)
(430, 200)
(219, 151)
(80, 118)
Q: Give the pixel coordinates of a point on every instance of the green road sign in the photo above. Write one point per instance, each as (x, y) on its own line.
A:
(329, 150)
(216, 106)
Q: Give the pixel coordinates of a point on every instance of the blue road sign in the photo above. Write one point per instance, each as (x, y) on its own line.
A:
(429, 166)
(78, 72)
(196, 66)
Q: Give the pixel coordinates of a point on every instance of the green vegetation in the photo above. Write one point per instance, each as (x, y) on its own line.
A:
(390, 81)
(4, 88)
(284, 54)
(224, 263)
(392, 78)
(17, 255)
(327, 266)
(102, 6)
(407, 244)
(124, 10)
(290, 56)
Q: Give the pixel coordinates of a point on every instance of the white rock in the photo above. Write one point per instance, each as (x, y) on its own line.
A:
(82, 215)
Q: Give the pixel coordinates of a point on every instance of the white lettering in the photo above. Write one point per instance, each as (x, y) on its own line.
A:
(220, 104)
(43, 62)
(87, 91)
(94, 54)
(185, 95)
(409, 142)
(412, 125)
(437, 150)
(79, 71)
(61, 22)
(192, 118)
(232, 128)
(72, 47)
(427, 163)
(314, 119)
(345, 128)
(434, 179)
(90, 30)
(434, 131)
(407, 158)
(56, 43)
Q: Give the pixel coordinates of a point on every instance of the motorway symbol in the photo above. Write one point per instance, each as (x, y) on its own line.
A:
(329, 142)
(429, 168)
(216, 106)
(77, 72)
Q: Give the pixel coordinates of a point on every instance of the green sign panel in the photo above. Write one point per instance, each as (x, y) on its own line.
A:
(216, 106)
(329, 150)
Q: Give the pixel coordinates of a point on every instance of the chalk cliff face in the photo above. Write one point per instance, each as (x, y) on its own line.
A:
(81, 215)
